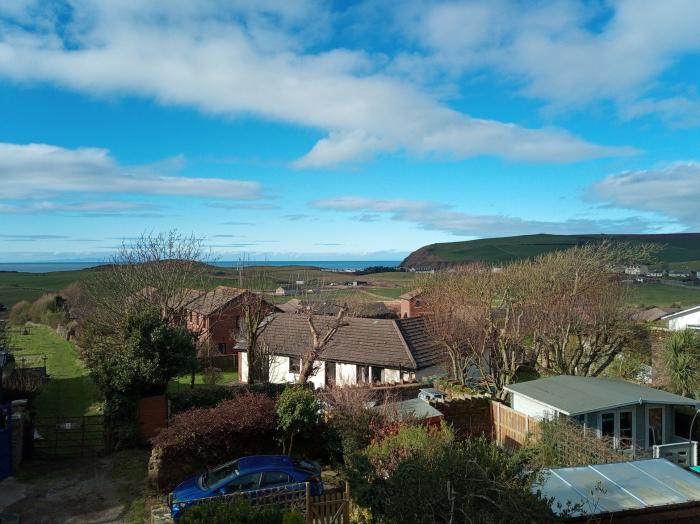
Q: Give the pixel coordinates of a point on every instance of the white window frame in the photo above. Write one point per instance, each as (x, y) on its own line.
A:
(664, 437)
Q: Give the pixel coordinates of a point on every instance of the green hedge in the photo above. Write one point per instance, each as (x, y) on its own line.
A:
(210, 396)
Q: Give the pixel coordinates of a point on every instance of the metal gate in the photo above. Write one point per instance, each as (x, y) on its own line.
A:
(5, 441)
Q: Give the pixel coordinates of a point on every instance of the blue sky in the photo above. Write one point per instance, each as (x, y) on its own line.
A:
(285, 129)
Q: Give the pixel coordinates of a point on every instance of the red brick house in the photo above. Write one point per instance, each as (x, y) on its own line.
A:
(411, 305)
(215, 315)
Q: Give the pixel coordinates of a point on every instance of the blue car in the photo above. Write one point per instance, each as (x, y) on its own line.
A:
(247, 475)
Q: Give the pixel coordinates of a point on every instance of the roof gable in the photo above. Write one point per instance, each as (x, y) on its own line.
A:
(212, 301)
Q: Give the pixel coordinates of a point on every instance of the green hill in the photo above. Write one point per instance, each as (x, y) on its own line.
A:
(677, 249)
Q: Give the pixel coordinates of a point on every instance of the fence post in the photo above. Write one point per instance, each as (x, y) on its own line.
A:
(347, 502)
(82, 437)
(308, 501)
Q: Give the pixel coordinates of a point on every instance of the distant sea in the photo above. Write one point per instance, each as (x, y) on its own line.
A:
(337, 265)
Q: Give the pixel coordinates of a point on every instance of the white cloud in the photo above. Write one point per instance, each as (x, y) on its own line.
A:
(566, 53)
(435, 216)
(39, 171)
(673, 191)
(233, 61)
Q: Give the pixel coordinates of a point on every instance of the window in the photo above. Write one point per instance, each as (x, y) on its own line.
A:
(274, 478)
(222, 347)
(377, 374)
(294, 364)
(243, 483)
(607, 424)
(626, 433)
(330, 373)
(362, 374)
(655, 425)
(579, 419)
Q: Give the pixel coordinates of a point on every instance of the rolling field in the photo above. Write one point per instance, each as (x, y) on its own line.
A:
(16, 286)
(663, 295)
(679, 249)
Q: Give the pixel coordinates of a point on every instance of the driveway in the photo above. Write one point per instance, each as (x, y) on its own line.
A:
(100, 490)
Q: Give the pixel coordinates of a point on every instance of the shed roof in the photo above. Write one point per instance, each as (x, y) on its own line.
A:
(411, 294)
(620, 486)
(414, 408)
(574, 395)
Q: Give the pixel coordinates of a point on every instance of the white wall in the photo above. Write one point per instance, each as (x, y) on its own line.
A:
(532, 408)
(682, 322)
(345, 374)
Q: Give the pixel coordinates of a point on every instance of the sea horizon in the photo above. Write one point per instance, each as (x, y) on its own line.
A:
(337, 265)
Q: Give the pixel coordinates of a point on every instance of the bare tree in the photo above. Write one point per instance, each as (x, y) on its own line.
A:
(156, 269)
(256, 316)
(581, 321)
(322, 328)
(479, 316)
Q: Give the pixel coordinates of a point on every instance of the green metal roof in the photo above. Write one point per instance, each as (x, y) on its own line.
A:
(574, 395)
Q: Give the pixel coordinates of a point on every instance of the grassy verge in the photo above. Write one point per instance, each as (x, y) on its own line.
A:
(69, 391)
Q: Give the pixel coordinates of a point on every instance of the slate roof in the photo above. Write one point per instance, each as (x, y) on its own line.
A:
(424, 350)
(411, 294)
(575, 395)
(412, 408)
(365, 341)
(649, 315)
(211, 301)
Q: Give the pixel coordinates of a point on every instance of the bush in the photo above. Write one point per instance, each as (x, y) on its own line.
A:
(212, 376)
(297, 414)
(202, 438)
(237, 512)
(22, 383)
(472, 481)
(408, 441)
(19, 313)
(210, 396)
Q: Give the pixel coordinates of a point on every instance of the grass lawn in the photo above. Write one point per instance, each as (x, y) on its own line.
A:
(663, 295)
(16, 286)
(183, 382)
(69, 390)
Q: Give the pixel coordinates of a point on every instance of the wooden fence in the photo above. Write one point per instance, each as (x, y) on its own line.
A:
(510, 428)
(69, 437)
(333, 507)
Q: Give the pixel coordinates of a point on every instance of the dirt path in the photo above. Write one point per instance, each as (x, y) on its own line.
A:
(101, 490)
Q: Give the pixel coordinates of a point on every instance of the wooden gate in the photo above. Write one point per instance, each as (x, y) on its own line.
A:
(333, 507)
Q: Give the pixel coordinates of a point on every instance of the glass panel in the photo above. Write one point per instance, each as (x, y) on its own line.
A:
(656, 426)
(294, 364)
(273, 478)
(330, 373)
(377, 374)
(249, 481)
(626, 429)
(607, 424)
(362, 373)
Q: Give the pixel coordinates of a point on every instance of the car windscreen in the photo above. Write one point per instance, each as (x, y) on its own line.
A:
(219, 473)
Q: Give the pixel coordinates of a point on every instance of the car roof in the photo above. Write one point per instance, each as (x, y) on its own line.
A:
(260, 462)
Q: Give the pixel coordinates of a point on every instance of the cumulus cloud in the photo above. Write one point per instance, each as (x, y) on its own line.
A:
(566, 53)
(672, 190)
(36, 170)
(435, 216)
(231, 60)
